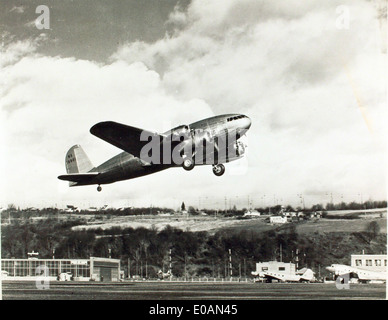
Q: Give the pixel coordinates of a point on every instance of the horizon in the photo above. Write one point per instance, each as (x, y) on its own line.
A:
(201, 204)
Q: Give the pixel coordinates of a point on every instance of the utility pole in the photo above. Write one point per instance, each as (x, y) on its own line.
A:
(245, 268)
(129, 268)
(230, 264)
(185, 267)
(281, 258)
(170, 267)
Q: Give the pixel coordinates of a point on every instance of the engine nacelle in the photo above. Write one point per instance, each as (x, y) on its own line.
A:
(239, 148)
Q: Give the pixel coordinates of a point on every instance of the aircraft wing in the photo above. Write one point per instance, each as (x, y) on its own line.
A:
(281, 277)
(122, 136)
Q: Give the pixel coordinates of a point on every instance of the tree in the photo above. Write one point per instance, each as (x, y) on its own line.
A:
(192, 211)
(183, 207)
(373, 229)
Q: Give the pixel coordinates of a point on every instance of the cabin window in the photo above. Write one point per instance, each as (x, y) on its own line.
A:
(368, 262)
(385, 262)
(358, 262)
(282, 268)
(264, 269)
(378, 263)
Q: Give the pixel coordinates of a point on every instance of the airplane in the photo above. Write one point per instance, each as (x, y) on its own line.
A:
(363, 275)
(306, 275)
(70, 208)
(212, 141)
(164, 275)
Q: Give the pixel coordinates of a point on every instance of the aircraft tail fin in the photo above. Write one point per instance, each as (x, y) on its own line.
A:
(77, 161)
(308, 275)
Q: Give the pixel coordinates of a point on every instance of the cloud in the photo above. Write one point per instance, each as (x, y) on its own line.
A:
(49, 104)
(298, 77)
(287, 66)
(19, 9)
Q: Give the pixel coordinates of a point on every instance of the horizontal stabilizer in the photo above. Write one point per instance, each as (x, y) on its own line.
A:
(79, 177)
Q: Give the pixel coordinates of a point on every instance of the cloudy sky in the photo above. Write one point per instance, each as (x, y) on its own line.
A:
(312, 81)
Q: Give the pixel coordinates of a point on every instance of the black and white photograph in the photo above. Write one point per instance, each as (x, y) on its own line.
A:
(210, 152)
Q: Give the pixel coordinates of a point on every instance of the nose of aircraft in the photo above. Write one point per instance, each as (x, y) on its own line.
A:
(331, 269)
(247, 123)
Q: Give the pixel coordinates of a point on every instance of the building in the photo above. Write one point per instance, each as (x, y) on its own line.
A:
(275, 266)
(277, 219)
(253, 213)
(371, 262)
(97, 269)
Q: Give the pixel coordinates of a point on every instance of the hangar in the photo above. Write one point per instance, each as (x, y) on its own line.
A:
(95, 269)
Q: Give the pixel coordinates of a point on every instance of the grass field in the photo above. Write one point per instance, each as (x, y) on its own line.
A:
(212, 224)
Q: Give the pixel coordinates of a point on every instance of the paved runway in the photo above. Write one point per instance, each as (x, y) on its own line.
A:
(189, 290)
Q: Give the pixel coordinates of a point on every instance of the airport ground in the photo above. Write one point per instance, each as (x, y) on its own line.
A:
(164, 290)
(212, 224)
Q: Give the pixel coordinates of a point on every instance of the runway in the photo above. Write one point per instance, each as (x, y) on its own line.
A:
(18, 290)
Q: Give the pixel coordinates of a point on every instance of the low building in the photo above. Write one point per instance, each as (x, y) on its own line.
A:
(97, 269)
(253, 213)
(371, 262)
(277, 219)
(274, 266)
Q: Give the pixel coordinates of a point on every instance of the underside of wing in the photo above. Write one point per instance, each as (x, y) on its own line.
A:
(127, 138)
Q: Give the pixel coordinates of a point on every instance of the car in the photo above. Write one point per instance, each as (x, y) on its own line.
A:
(65, 276)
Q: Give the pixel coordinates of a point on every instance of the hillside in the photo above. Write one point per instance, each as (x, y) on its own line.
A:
(320, 243)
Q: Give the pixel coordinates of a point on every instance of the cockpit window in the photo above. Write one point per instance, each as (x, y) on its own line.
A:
(235, 118)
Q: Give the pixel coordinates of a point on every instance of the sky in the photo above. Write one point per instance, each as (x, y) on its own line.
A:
(311, 75)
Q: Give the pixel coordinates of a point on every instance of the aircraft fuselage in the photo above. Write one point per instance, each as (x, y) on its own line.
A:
(127, 166)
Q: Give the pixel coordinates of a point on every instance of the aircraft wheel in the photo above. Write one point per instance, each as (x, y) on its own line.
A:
(99, 188)
(188, 164)
(219, 169)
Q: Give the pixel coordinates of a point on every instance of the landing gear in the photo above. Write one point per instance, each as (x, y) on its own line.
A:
(99, 188)
(188, 164)
(218, 169)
